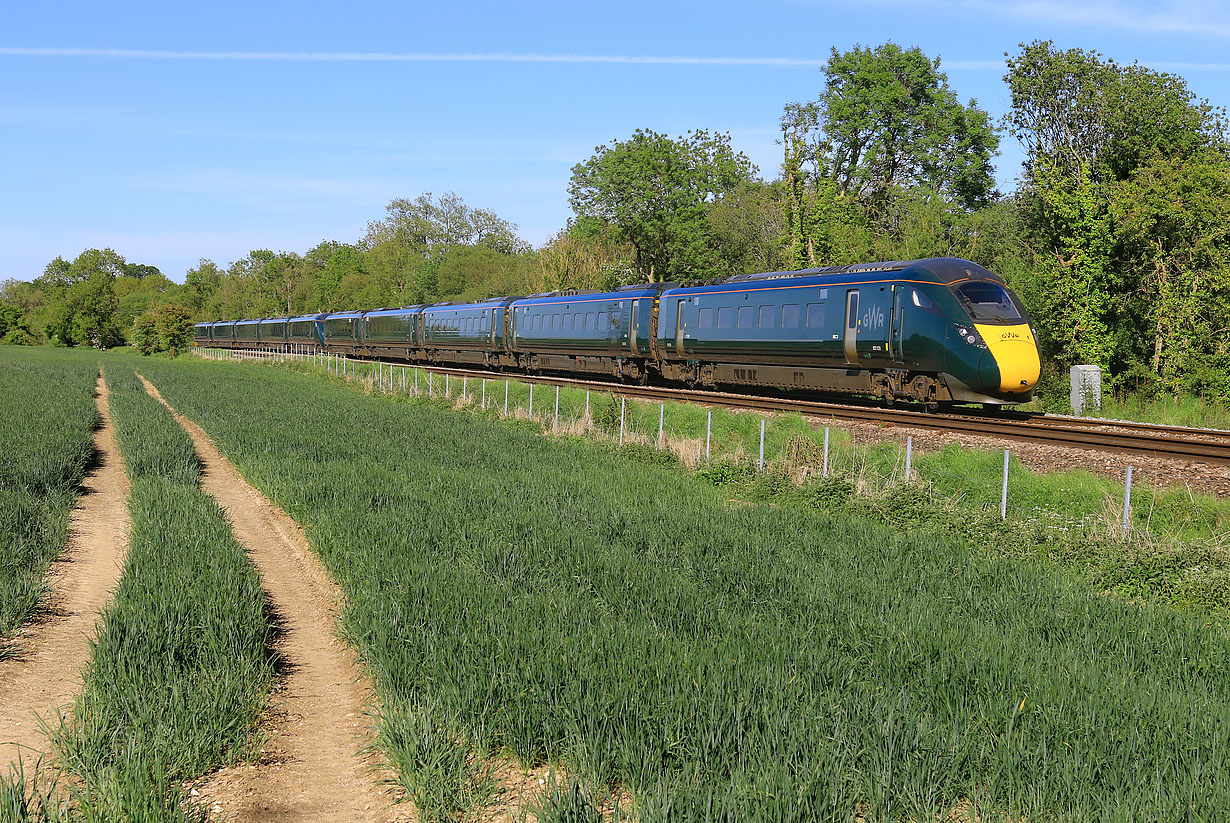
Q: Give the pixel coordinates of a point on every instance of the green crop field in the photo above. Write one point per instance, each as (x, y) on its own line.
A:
(182, 665)
(703, 656)
(47, 421)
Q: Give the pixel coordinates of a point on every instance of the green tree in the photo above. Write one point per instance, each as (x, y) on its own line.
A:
(200, 284)
(1124, 172)
(657, 192)
(888, 120)
(80, 298)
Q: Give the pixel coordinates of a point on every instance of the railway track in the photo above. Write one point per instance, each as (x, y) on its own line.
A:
(1210, 446)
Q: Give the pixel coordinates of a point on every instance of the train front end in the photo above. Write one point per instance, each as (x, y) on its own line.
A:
(997, 343)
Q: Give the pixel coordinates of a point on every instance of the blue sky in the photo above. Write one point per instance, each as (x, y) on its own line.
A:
(172, 132)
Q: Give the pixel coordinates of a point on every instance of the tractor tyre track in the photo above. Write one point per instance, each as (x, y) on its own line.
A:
(317, 763)
(43, 678)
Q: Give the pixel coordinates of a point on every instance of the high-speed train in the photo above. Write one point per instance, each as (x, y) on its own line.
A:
(937, 331)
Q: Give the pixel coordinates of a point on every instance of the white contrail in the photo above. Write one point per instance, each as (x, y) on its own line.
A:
(393, 57)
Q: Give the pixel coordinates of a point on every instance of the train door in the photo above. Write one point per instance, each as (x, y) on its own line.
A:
(679, 328)
(634, 327)
(851, 328)
(895, 319)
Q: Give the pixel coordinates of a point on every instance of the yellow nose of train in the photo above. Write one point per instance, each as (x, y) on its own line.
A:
(1016, 355)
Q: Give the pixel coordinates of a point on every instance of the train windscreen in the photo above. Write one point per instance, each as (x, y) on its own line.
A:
(988, 302)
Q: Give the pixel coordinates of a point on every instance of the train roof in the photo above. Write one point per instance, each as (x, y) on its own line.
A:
(946, 270)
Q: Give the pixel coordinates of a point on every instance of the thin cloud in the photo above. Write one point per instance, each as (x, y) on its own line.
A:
(1186, 17)
(395, 57)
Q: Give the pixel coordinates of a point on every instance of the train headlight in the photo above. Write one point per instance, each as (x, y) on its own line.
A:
(970, 335)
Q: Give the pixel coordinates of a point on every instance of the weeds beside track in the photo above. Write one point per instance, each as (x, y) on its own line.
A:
(47, 422)
(183, 664)
(712, 659)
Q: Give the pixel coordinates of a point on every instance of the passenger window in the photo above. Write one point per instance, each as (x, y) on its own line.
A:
(747, 316)
(815, 315)
(603, 321)
(556, 322)
(567, 322)
(706, 318)
(790, 316)
(768, 317)
(726, 317)
(590, 320)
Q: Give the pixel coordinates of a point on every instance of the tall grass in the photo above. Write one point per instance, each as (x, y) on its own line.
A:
(183, 663)
(47, 422)
(711, 659)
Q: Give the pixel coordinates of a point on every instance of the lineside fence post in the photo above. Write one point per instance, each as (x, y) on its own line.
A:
(1003, 497)
(909, 454)
(484, 401)
(556, 423)
(760, 464)
(708, 433)
(531, 401)
(661, 422)
(1127, 503)
(826, 451)
(585, 420)
(506, 398)
(623, 406)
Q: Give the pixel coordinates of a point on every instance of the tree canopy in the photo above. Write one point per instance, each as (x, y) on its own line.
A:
(657, 192)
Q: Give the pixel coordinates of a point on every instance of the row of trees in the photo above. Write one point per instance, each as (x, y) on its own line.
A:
(1116, 234)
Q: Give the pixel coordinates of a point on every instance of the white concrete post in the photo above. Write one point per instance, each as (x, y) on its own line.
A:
(826, 451)
(623, 404)
(506, 398)
(1003, 496)
(760, 465)
(909, 454)
(708, 433)
(661, 422)
(1127, 503)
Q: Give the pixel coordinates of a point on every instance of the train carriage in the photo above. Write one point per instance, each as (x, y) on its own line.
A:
(341, 332)
(470, 333)
(305, 330)
(201, 334)
(272, 333)
(589, 331)
(391, 332)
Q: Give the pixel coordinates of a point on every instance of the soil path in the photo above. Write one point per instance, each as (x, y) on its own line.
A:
(314, 765)
(44, 678)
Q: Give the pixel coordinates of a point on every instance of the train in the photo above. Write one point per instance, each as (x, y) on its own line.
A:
(938, 332)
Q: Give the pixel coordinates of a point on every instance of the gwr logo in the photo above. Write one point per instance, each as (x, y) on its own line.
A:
(873, 318)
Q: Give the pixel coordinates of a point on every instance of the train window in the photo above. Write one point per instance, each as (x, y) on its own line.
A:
(567, 322)
(815, 315)
(985, 300)
(591, 320)
(604, 321)
(726, 317)
(768, 317)
(747, 316)
(790, 316)
(706, 318)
